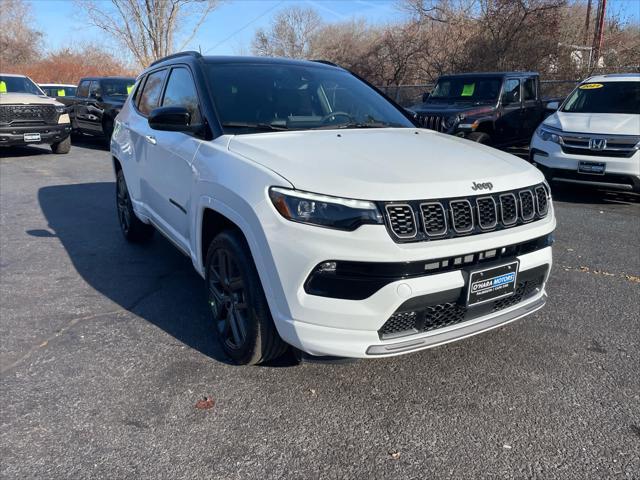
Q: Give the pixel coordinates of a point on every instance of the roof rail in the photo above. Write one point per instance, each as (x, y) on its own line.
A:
(190, 53)
(326, 62)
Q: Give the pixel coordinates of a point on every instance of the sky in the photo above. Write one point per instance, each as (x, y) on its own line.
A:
(227, 31)
(230, 28)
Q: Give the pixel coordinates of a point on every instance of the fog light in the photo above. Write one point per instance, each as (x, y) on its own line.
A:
(328, 267)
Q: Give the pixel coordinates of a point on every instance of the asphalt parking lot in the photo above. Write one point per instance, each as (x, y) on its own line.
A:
(106, 348)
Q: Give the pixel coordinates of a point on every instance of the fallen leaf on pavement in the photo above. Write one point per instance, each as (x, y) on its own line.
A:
(205, 403)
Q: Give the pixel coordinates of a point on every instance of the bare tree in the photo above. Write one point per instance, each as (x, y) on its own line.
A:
(149, 28)
(290, 34)
(19, 41)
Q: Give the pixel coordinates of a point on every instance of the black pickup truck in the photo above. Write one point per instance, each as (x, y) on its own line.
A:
(499, 109)
(96, 103)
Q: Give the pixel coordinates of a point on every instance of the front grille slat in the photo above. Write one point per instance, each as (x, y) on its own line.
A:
(28, 114)
(411, 221)
(487, 213)
(461, 216)
(402, 220)
(434, 219)
(542, 201)
(527, 207)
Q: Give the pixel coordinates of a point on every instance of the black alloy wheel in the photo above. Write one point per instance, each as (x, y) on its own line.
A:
(227, 299)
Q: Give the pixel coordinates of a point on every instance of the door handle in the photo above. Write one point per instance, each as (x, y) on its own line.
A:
(151, 139)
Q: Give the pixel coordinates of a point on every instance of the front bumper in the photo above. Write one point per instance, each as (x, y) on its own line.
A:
(351, 328)
(11, 136)
(620, 173)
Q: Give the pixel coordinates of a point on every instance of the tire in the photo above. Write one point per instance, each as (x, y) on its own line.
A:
(242, 320)
(62, 147)
(480, 137)
(133, 229)
(107, 128)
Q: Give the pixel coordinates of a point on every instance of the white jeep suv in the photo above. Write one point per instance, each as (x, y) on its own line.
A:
(594, 137)
(320, 216)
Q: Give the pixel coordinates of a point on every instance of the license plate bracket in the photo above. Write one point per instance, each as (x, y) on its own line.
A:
(492, 283)
(32, 137)
(593, 168)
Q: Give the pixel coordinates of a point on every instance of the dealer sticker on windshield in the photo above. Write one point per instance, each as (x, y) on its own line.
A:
(492, 283)
(590, 86)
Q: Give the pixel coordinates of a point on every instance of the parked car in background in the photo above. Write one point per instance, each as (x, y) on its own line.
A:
(55, 90)
(594, 137)
(96, 103)
(498, 109)
(28, 116)
(320, 215)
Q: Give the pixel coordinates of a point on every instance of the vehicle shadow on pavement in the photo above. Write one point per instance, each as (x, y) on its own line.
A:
(26, 151)
(153, 281)
(90, 142)
(591, 195)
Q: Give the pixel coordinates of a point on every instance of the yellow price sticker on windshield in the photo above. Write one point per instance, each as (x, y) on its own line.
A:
(590, 86)
(467, 90)
(61, 92)
(129, 88)
(3, 87)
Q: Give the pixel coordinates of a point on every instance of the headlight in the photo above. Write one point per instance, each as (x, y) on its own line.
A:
(548, 134)
(322, 210)
(61, 109)
(449, 122)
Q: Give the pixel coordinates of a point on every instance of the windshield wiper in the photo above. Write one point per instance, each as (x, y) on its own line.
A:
(354, 125)
(257, 126)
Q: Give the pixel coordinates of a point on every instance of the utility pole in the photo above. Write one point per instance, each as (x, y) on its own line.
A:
(599, 33)
(587, 22)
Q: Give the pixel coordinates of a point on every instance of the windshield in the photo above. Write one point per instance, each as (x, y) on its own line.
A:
(606, 97)
(18, 85)
(59, 91)
(467, 89)
(117, 87)
(264, 97)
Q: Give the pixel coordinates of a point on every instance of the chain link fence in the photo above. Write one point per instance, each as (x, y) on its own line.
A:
(408, 95)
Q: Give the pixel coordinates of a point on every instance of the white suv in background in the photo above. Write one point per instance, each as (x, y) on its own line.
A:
(320, 215)
(594, 137)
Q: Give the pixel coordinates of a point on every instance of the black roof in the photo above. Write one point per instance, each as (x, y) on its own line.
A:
(491, 74)
(107, 78)
(266, 61)
(230, 59)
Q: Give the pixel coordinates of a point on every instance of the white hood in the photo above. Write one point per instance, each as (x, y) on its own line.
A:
(27, 99)
(602, 123)
(384, 164)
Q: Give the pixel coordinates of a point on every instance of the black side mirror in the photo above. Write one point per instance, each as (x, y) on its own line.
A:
(172, 119)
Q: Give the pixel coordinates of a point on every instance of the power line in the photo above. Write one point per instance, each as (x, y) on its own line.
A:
(245, 26)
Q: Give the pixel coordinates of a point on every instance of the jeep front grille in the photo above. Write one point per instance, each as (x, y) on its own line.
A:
(432, 220)
(28, 114)
(431, 122)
